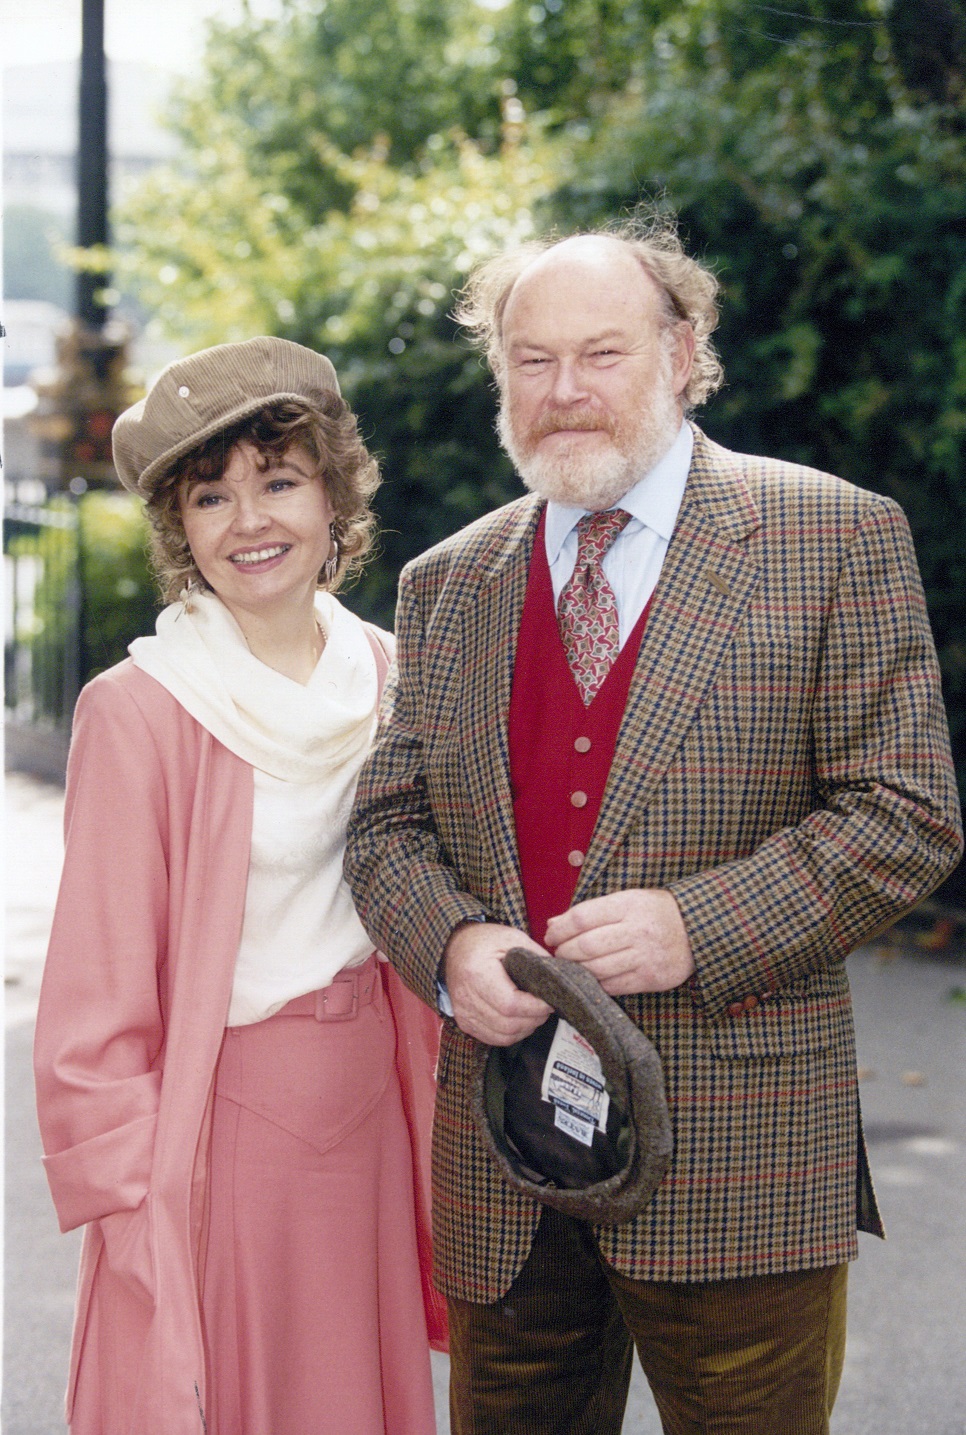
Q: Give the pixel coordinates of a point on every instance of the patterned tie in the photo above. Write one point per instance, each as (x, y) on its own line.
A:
(587, 608)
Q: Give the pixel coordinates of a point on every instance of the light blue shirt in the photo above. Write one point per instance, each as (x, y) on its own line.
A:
(634, 560)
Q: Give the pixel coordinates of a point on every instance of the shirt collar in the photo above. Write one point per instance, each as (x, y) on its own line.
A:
(654, 500)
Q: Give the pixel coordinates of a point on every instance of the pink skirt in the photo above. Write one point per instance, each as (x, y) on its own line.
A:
(313, 1313)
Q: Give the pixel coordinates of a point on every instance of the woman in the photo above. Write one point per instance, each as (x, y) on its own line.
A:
(222, 1096)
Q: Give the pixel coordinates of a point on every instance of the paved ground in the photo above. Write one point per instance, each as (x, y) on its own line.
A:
(906, 1364)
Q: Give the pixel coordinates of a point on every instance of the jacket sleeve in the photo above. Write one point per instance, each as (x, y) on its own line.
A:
(401, 876)
(885, 827)
(100, 1031)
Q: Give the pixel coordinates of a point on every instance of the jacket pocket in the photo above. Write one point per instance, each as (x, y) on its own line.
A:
(814, 1014)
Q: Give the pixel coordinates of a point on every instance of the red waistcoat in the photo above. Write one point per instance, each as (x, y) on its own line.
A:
(560, 750)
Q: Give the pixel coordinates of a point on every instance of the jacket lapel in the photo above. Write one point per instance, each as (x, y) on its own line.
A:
(489, 632)
(705, 585)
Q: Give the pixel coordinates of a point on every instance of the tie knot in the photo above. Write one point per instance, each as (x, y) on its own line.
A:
(597, 531)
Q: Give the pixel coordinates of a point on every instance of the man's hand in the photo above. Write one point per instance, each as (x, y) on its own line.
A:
(486, 1003)
(632, 941)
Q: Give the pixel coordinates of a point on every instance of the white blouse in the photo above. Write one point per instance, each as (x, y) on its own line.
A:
(306, 744)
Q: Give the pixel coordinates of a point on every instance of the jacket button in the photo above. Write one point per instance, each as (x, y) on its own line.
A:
(736, 1009)
(750, 1003)
(576, 859)
(582, 744)
(578, 799)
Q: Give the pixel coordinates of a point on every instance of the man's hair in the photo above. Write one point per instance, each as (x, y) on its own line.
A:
(688, 292)
(328, 432)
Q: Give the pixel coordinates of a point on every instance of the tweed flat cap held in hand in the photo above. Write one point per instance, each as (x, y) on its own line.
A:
(586, 1133)
(197, 397)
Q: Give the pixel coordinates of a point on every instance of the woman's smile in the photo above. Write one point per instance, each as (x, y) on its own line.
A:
(260, 555)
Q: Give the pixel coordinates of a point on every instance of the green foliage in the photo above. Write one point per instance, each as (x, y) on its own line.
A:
(569, 58)
(345, 72)
(120, 595)
(344, 166)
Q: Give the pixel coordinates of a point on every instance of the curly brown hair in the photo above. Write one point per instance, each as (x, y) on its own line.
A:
(326, 428)
(688, 292)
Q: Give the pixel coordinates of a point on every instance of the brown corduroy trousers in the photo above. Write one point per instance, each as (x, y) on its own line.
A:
(757, 1355)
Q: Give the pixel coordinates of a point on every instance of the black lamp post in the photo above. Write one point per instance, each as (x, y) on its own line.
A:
(79, 399)
(92, 174)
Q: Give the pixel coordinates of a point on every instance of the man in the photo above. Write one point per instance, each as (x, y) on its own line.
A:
(699, 747)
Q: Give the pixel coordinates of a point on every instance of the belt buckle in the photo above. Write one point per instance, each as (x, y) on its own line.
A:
(322, 1012)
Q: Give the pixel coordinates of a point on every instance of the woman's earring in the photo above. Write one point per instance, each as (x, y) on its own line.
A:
(331, 565)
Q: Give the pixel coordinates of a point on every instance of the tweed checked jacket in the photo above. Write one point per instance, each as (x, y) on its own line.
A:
(783, 768)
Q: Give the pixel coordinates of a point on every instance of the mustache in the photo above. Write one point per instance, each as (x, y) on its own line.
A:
(570, 421)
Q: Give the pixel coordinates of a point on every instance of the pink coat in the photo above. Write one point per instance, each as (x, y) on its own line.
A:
(132, 1012)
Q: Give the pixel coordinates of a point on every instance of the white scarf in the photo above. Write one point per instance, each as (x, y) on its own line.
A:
(293, 732)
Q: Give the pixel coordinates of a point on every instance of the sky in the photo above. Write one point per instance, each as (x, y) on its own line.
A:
(166, 33)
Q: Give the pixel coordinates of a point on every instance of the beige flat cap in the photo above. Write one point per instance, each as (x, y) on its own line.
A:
(197, 397)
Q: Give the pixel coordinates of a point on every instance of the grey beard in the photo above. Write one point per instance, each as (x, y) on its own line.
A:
(592, 481)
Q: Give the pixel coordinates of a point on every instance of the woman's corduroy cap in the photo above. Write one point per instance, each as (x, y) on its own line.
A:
(638, 1141)
(197, 397)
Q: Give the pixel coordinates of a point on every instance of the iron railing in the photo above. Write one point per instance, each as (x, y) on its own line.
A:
(43, 639)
